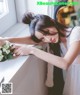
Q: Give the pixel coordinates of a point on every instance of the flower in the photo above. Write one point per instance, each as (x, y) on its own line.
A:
(7, 45)
(0, 51)
(1, 55)
(6, 52)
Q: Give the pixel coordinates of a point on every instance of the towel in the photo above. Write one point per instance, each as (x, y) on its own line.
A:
(50, 70)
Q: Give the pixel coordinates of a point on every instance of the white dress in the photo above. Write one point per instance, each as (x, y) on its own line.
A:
(72, 81)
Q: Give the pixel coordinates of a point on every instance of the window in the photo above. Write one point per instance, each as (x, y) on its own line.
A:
(3, 8)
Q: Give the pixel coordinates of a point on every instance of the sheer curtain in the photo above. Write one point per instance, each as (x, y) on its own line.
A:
(1, 7)
(50, 10)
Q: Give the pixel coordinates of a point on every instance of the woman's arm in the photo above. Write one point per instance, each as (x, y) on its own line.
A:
(61, 62)
(19, 40)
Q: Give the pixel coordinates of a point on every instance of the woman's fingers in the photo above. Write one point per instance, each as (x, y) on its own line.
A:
(21, 50)
(14, 46)
(16, 52)
(15, 49)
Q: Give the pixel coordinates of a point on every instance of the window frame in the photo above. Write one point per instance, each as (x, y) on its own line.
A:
(5, 9)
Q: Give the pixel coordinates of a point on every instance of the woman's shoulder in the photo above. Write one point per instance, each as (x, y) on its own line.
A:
(75, 34)
(75, 31)
(76, 28)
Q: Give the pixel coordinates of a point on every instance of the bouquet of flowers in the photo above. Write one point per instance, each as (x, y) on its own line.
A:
(6, 52)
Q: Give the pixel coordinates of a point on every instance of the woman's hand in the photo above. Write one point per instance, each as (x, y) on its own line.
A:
(2, 41)
(20, 50)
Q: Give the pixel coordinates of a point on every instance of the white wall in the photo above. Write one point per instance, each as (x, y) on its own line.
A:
(21, 8)
(37, 9)
(10, 19)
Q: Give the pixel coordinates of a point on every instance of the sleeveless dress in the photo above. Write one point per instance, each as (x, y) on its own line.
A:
(72, 80)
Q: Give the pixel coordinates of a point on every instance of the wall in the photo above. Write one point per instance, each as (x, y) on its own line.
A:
(21, 8)
(15, 16)
(33, 7)
(10, 19)
(30, 79)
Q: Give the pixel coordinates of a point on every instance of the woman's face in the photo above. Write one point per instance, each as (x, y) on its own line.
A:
(50, 35)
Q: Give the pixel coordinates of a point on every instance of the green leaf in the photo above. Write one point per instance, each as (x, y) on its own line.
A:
(10, 56)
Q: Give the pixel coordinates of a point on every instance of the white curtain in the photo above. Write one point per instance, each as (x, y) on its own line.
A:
(50, 10)
(1, 6)
(21, 8)
(1, 0)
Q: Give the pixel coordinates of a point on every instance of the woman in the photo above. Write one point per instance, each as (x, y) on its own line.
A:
(44, 29)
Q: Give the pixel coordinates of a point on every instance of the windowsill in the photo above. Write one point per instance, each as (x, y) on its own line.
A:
(3, 14)
(10, 67)
(4, 8)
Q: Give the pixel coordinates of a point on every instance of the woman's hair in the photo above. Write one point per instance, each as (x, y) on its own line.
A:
(40, 22)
